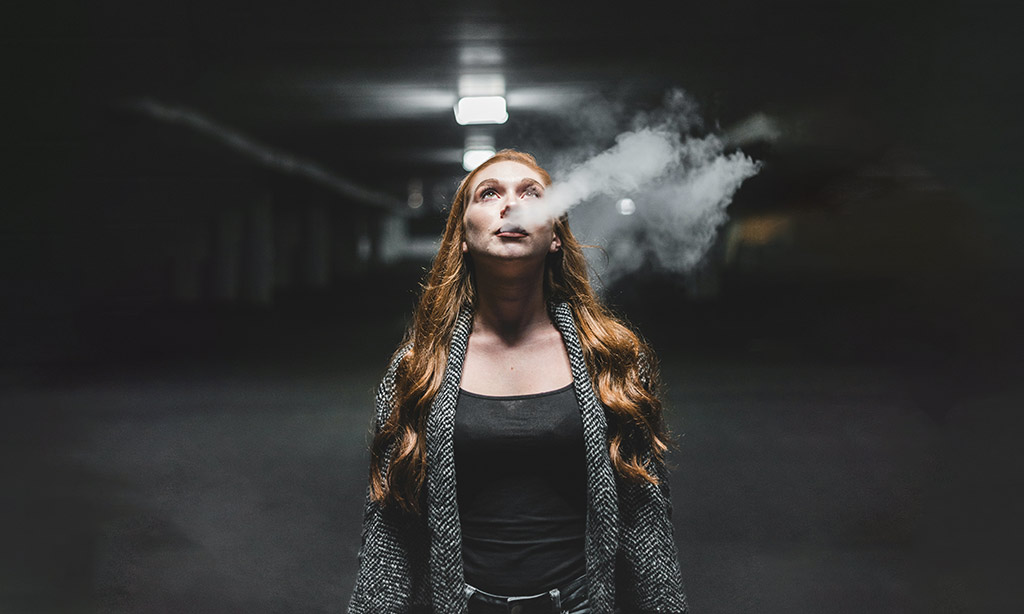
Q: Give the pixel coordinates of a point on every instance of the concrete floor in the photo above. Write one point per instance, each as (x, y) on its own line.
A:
(236, 484)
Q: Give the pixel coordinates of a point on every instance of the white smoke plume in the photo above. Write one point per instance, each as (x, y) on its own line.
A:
(679, 186)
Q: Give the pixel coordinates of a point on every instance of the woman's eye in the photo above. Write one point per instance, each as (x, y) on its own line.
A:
(488, 193)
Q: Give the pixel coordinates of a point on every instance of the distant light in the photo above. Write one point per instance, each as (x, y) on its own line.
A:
(415, 199)
(481, 84)
(480, 56)
(472, 158)
(481, 110)
(626, 206)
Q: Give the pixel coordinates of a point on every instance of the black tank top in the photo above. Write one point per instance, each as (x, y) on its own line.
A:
(522, 490)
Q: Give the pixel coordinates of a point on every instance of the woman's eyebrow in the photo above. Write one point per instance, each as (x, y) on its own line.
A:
(490, 183)
(494, 183)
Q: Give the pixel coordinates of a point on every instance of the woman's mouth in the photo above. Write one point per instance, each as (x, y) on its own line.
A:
(512, 231)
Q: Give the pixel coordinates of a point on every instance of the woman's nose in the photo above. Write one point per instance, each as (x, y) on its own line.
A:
(512, 200)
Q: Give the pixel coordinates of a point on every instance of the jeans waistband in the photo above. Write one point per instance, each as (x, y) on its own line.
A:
(541, 603)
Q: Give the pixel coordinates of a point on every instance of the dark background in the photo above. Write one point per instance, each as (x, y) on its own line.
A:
(207, 256)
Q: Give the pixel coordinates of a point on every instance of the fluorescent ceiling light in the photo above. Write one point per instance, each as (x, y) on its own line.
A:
(472, 158)
(481, 110)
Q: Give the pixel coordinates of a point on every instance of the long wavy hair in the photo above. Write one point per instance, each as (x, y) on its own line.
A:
(621, 364)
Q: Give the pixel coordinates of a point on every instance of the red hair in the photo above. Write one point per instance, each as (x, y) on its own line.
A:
(622, 365)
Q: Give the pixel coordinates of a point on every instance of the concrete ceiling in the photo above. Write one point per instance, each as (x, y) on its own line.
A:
(364, 90)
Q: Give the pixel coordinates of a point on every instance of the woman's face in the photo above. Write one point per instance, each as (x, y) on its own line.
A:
(496, 191)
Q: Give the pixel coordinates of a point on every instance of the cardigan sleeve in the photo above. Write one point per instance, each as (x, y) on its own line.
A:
(649, 577)
(648, 572)
(392, 554)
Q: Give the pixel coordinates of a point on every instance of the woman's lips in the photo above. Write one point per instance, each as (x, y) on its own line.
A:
(511, 230)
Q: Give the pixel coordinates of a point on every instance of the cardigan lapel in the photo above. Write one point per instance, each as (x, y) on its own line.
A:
(447, 582)
(602, 499)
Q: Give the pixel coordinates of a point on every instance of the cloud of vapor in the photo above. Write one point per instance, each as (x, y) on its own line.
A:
(680, 184)
(637, 157)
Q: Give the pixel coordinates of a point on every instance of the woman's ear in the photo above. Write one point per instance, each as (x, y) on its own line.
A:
(465, 248)
(556, 244)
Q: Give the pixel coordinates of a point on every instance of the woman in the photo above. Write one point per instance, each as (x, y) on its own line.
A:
(515, 382)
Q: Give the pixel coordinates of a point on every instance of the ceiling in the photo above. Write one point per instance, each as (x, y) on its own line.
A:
(364, 91)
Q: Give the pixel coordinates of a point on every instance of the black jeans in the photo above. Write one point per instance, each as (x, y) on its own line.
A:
(569, 599)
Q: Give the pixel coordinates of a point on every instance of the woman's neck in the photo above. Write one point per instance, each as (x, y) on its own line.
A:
(510, 306)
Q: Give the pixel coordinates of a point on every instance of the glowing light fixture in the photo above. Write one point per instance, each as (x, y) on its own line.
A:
(626, 206)
(479, 147)
(472, 158)
(481, 110)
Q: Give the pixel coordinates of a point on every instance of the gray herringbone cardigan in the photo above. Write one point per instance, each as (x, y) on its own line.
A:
(414, 564)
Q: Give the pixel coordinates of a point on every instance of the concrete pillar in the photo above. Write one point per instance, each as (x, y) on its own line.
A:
(191, 252)
(227, 250)
(374, 232)
(394, 237)
(286, 243)
(704, 282)
(347, 226)
(317, 245)
(258, 286)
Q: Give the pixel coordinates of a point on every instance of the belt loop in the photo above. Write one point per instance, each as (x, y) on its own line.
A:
(556, 600)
